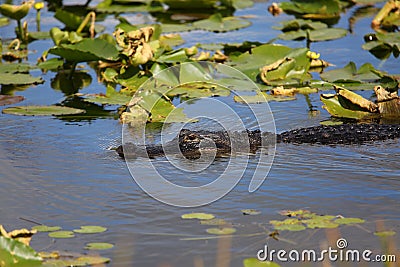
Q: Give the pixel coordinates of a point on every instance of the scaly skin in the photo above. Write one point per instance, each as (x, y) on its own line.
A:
(192, 143)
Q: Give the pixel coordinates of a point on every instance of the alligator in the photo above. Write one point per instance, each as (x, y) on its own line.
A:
(192, 144)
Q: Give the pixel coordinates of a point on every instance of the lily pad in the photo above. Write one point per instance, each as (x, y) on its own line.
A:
(300, 29)
(385, 233)
(350, 74)
(288, 224)
(250, 212)
(4, 21)
(9, 99)
(177, 27)
(42, 111)
(381, 45)
(19, 79)
(80, 261)
(198, 215)
(261, 98)
(349, 221)
(253, 262)
(171, 40)
(86, 50)
(90, 229)
(15, 253)
(98, 246)
(334, 107)
(221, 231)
(323, 9)
(45, 228)
(217, 23)
(62, 234)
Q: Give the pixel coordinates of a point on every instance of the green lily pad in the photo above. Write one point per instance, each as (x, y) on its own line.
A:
(16, 12)
(19, 79)
(90, 229)
(349, 221)
(217, 23)
(382, 45)
(177, 27)
(221, 231)
(321, 224)
(62, 234)
(385, 233)
(15, 253)
(45, 228)
(323, 9)
(42, 111)
(250, 212)
(198, 215)
(86, 50)
(15, 67)
(111, 97)
(331, 122)
(171, 40)
(253, 262)
(112, 6)
(250, 63)
(80, 261)
(350, 74)
(98, 246)
(261, 98)
(300, 29)
(334, 107)
(51, 64)
(288, 224)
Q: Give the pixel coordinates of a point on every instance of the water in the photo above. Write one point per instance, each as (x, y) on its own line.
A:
(62, 173)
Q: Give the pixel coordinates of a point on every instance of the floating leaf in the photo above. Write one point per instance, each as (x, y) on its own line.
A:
(353, 101)
(4, 21)
(334, 107)
(80, 261)
(250, 212)
(350, 74)
(382, 45)
(221, 231)
(90, 229)
(177, 27)
(9, 99)
(331, 122)
(86, 50)
(253, 262)
(19, 79)
(15, 67)
(349, 221)
(98, 246)
(15, 253)
(288, 224)
(42, 111)
(217, 23)
(171, 40)
(51, 64)
(323, 9)
(327, 34)
(62, 234)
(385, 233)
(45, 228)
(199, 215)
(261, 98)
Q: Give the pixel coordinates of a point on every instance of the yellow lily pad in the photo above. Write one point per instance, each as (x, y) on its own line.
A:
(198, 215)
(90, 229)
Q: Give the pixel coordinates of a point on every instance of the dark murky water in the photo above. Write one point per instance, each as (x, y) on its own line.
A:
(62, 173)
